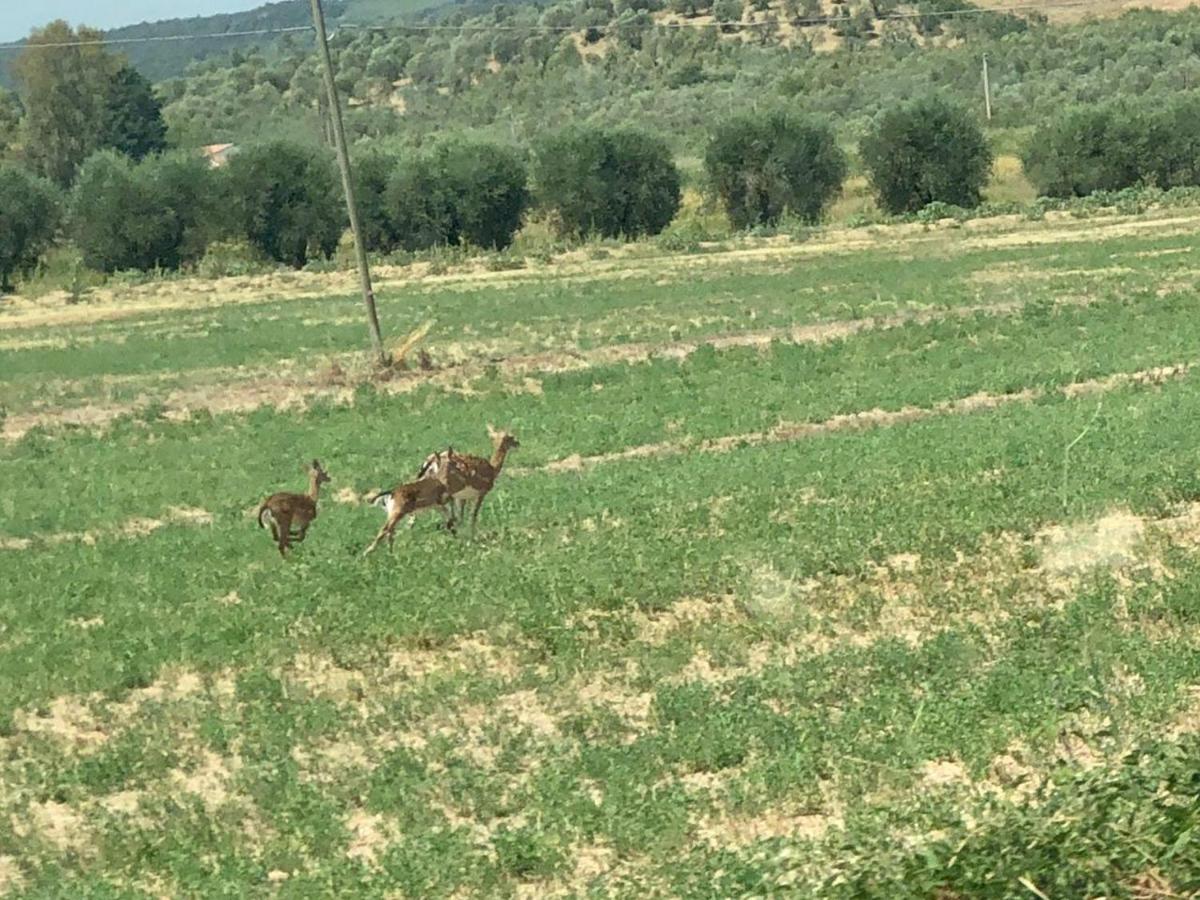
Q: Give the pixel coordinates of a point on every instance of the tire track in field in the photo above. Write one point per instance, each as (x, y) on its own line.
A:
(138, 526)
(787, 432)
(256, 388)
(783, 433)
(998, 233)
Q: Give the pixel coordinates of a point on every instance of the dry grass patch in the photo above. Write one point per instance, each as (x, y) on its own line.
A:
(209, 780)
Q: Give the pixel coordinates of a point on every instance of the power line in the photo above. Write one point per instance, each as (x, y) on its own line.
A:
(534, 27)
(154, 39)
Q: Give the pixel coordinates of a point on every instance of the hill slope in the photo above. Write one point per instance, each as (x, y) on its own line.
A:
(161, 59)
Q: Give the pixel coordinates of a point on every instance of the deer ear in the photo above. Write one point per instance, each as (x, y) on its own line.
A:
(491, 430)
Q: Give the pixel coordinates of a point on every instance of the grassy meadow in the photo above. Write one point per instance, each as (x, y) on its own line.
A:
(861, 565)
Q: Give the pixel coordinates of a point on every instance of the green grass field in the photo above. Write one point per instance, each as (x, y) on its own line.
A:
(861, 566)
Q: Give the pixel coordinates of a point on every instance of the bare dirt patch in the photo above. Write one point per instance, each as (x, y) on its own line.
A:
(58, 824)
(11, 877)
(369, 836)
(210, 780)
(1108, 542)
(68, 720)
(136, 527)
(735, 833)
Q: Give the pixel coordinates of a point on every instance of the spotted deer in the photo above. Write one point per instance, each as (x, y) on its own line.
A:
(289, 515)
(413, 497)
(470, 477)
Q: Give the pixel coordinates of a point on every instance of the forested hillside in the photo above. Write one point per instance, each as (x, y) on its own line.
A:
(159, 59)
(513, 70)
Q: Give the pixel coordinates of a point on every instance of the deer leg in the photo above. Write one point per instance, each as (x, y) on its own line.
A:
(283, 533)
(299, 536)
(448, 516)
(387, 531)
(475, 513)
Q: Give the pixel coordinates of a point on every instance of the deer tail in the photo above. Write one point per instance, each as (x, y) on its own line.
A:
(264, 516)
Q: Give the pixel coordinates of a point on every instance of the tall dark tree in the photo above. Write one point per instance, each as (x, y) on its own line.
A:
(133, 122)
(762, 166)
(29, 216)
(924, 151)
(284, 199)
(612, 183)
(64, 90)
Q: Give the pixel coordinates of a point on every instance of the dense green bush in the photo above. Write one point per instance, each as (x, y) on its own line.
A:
(418, 204)
(488, 191)
(372, 171)
(468, 192)
(612, 183)
(29, 217)
(924, 151)
(764, 166)
(1113, 146)
(284, 198)
(140, 216)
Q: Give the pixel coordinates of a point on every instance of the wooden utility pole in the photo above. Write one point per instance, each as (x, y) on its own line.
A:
(343, 156)
(987, 90)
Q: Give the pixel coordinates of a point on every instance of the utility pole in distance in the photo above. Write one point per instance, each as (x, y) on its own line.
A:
(987, 90)
(343, 156)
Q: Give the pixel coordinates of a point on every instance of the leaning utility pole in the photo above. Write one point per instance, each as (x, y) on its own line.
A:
(987, 90)
(343, 156)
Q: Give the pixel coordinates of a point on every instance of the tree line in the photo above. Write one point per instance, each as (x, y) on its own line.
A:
(282, 198)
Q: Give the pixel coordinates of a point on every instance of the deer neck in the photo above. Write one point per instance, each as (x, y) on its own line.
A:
(498, 457)
(314, 487)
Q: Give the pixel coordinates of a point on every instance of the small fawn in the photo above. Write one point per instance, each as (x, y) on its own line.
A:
(471, 477)
(284, 512)
(425, 493)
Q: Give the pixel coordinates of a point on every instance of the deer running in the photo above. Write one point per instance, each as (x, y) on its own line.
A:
(424, 493)
(469, 477)
(289, 515)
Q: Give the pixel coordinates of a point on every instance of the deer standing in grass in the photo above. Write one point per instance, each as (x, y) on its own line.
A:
(289, 515)
(424, 493)
(470, 477)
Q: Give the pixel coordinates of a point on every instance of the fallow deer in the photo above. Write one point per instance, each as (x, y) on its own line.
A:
(471, 477)
(284, 512)
(425, 493)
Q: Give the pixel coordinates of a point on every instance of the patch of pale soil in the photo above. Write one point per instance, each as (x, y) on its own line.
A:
(370, 835)
(136, 527)
(633, 707)
(943, 773)
(347, 496)
(1010, 774)
(658, 626)
(11, 877)
(472, 652)
(68, 721)
(726, 832)
(124, 803)
(527, 710)
(330, 761)
(1110, 542)
(1187, 720)
(56, 823)
(209, 780)
(324, 678)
